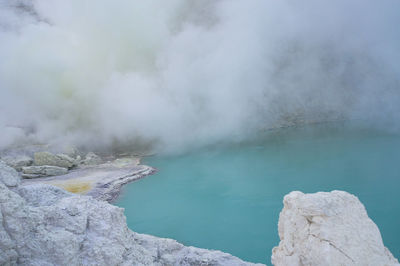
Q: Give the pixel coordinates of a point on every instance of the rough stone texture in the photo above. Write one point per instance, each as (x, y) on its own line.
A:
(42, 195)
(328, 228)
(72, 162)
(8, 175)
(17, 162)
(43, 225)
(44, 170)
(91, 159)
(47, 158)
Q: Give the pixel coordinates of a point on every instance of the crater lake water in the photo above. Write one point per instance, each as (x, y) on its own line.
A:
(229, 198)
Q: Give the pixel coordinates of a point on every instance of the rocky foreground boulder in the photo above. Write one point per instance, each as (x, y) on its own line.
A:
(44, 225)
(328, 228)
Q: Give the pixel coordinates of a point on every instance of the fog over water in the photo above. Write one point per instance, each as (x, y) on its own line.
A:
(181, 74)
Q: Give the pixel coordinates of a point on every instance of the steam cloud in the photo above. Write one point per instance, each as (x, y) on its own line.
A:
(179, 74)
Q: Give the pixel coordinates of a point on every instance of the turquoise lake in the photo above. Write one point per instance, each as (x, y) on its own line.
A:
(229, 197)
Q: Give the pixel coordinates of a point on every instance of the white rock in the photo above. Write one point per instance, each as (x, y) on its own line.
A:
(17, 162)
(65, 157)
(91, 159)
(44, 170)
(8, 175)
(42, 195)
(47, 158)
(77, 160)
(328, 228)
(8, 247)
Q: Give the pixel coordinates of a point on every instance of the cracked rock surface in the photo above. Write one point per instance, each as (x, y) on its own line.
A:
(328, 228)
(43, 170)
(59, 160)
(44, 225)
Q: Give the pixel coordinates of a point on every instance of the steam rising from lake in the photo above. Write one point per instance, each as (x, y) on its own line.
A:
(178, 74)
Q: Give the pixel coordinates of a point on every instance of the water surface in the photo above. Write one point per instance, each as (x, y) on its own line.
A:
(229, 198)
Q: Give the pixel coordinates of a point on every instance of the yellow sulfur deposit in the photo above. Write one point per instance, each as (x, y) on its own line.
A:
(76, 187)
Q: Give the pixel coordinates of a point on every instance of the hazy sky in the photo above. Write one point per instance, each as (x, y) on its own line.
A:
(181, 74)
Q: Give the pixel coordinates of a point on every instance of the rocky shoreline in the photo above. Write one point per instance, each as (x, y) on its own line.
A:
(102, 182)
(88, 174)
(43, 224)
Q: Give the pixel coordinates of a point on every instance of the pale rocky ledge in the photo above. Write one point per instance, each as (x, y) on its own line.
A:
(41, 224)
(86, 174)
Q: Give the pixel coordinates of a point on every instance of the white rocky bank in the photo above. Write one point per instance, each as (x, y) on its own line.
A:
(44, 225)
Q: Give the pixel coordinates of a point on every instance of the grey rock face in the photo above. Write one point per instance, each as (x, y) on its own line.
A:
(17, 162)
(42, 195)
(328, 228)
(8, 247)
(91, 159)
(8, 175)
(67, 158)
(47, 158)
(43, 225)
(45, 170)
